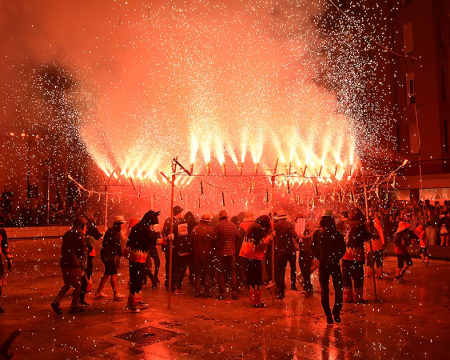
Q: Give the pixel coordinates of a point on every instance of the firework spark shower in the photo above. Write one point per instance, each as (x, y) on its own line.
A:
(212, 82)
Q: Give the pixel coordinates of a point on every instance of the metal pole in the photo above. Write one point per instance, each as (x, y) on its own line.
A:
(370, 243)
(29, 162)
(48, 194)
(272, 224)
(170, 241)
(106, 208)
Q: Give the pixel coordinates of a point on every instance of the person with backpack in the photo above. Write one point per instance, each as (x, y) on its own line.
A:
(402, 239)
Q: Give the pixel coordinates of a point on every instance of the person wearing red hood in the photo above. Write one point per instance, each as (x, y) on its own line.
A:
(402, 239)
(355, 234)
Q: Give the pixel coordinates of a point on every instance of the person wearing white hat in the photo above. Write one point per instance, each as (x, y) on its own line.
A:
(110, 254)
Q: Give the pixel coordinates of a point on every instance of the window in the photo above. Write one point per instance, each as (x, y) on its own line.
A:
(444, 83)
(413, 139)
(407, 38)
(410, 89)
(446, 137)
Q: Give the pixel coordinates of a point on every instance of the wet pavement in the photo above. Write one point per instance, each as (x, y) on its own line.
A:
(411, 320)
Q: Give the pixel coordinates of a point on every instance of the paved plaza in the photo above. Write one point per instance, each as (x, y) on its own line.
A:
(411, 321)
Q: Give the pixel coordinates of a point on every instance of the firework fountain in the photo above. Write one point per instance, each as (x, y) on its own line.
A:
(229, 89)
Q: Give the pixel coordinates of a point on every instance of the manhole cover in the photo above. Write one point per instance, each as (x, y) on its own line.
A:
(147, 336)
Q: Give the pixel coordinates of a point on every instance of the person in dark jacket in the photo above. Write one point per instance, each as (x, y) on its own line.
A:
(355, 235)
(177, 214)
(284, 252)
(8, 257)
(328, 247)
(140, 240)
(192, 223)
(402, 241)
(203, 240)
(73, 248)
(110, 255)
(305, 230)
(182, 251)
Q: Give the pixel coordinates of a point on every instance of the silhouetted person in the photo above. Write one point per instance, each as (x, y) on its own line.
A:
(328, 247)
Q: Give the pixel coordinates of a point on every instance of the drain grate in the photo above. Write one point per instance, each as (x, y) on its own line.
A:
(148, 335)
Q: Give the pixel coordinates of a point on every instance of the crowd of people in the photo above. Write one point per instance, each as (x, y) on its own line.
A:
(226, 255)
(34, 211)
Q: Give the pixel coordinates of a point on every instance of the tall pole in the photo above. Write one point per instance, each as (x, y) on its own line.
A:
(272, 225)
(106, 207)
(48, 193)
(171, 232)
(370, 243)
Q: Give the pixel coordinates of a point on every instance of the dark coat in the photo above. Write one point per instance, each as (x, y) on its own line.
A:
(73, 248)
(203, 240)
(328, 247)
(285, 235)
(111, 245)
(139, 242)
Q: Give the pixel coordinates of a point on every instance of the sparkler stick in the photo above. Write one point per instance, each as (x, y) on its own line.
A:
(256, 168)
(304, 171)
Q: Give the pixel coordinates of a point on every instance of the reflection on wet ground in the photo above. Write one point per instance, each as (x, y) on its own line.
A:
(410, 321)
